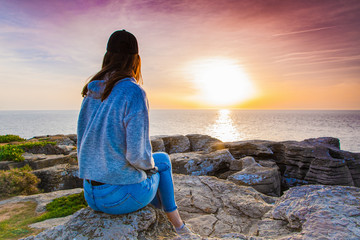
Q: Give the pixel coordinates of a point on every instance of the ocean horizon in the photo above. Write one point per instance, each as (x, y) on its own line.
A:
(224, 124)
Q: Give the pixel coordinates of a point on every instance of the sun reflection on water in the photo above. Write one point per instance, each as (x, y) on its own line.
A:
(224, 127)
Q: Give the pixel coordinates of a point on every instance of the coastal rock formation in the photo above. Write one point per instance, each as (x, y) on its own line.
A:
(147, 223)
(312, 161)
(264, 179)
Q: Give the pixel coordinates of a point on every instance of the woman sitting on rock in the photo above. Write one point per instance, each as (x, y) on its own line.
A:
(121, 175)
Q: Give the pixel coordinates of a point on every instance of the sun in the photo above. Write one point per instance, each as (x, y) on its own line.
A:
(221, 82)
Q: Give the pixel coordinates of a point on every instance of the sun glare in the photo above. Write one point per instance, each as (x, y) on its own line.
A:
(221, 82)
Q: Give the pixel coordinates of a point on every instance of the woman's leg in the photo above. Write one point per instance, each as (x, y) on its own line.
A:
(165, 192)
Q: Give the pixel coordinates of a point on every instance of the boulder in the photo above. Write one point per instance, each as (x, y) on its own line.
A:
(214, 207)
(199, 142)
(264, 179)
(157, 144)
(176, 144)
(147, 223)
(199, 163)
(320, 212)
(59, 177)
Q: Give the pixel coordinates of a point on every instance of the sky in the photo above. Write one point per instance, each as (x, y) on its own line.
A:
(295, 54)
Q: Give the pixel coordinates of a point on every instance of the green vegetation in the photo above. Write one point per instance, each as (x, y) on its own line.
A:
(18, 181)
(63, 206)
(11, 152)
(10, 138)
(23, 214)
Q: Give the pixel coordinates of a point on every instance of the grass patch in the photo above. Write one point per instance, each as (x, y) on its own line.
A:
(10, 138)
(18, 181)
(63, 206)
(11, 152)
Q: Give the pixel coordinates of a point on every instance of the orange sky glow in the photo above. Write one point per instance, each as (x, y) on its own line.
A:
(284, 54)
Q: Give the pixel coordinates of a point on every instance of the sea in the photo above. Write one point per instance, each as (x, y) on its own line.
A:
(224, 124)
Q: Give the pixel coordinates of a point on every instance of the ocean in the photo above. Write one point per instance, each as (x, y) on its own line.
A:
(226, 125)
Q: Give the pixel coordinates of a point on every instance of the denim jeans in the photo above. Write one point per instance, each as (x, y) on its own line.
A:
(157, 189)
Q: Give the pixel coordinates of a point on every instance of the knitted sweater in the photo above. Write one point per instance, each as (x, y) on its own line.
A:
(113, 135)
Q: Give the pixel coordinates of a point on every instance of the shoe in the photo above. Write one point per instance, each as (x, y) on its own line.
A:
(186, 233)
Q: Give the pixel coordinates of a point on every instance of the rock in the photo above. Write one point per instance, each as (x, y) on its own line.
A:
(222, 205)
(60, 139)
(46, 149)
(39, 161)
(330, 141)
(320, 212)
(255, 148)
(73, 137)
(176, 144)
(264, 179)
(7, 165)
(272, 229)
(157, 144)
(199, 142)
(49, 223)
(198, 163)
(59, 177)
(147, 223)
(325, 171)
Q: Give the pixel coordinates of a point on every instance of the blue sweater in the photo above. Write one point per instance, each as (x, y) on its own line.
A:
(113, 135)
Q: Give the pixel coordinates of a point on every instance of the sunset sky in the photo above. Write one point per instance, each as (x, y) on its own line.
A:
(248, 54)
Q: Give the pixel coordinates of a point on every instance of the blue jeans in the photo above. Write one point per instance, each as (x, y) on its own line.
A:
(157, 189)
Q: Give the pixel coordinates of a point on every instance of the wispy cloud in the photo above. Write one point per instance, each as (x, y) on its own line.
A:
(302, 31)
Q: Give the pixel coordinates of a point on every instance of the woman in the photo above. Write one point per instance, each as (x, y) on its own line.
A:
(120, 173)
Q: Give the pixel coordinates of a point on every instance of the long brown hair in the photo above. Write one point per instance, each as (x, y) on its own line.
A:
(116, 66)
